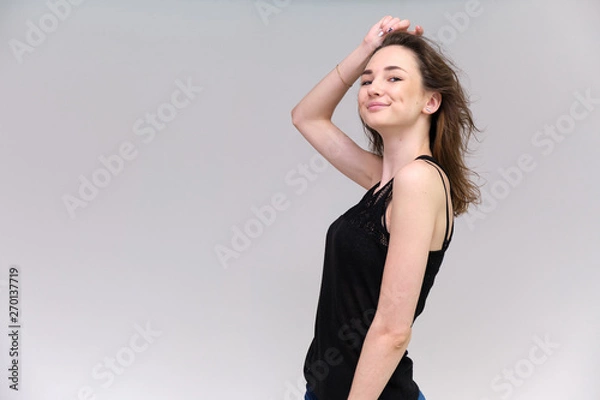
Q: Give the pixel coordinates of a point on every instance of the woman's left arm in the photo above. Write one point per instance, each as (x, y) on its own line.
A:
(415, 203)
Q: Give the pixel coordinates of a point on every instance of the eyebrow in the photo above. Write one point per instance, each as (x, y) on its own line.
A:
(390, 68)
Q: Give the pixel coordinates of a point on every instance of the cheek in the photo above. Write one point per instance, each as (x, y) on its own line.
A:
(410, 98)
(362, 94)
(361, 99)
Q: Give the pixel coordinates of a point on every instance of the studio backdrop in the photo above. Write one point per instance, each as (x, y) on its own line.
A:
(162, 222)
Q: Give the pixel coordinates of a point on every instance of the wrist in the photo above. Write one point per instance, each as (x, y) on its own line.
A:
(367, 48)
(348, 85)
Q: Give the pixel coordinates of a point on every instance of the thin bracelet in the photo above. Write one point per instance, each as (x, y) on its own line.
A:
(337, 68)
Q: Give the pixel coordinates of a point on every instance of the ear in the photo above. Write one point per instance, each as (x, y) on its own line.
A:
(433, 104)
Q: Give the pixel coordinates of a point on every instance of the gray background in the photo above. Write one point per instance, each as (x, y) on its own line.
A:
(143, 252)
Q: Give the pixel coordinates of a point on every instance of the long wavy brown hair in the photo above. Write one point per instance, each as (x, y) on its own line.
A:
(452, 124)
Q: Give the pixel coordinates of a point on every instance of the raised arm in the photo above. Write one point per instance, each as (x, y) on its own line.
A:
(312, 115)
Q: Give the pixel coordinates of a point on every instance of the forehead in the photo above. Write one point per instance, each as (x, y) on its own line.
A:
(393, 55)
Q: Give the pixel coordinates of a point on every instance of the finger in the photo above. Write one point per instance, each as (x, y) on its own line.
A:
(380, 25)
(384, 21)
(388, 26)
(403, 24)
(395, 24)
(418, 30)
(387, 19)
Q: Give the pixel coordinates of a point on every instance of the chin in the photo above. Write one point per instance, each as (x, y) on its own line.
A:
(380, 124)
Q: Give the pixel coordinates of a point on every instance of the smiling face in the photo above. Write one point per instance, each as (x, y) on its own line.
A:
(391, 94)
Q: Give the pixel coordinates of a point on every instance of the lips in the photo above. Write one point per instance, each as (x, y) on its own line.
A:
(375, 105)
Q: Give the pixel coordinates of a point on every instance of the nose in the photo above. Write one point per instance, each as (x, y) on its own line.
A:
(373, 88)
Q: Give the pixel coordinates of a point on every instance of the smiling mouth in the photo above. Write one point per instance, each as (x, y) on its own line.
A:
(376, 107)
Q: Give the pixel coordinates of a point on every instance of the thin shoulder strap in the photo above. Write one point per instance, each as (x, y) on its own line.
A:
(438, 167)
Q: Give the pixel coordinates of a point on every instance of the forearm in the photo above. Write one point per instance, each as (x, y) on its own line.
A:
(380, 355)
(322, 100)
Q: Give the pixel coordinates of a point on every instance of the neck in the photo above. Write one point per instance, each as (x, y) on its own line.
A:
(401, 149)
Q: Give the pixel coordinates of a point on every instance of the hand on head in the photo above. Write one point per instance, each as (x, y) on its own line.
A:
(387, 25)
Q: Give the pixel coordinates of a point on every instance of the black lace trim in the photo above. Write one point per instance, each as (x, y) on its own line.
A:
(369, 213)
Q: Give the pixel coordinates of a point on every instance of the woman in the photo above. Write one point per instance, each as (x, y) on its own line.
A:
(382, 255)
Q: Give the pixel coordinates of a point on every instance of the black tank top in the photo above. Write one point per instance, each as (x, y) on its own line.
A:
(355, 251)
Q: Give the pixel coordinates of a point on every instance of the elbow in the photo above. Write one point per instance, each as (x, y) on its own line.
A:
(397, 337)
(297, 117)
(301, 116)
(401, 339)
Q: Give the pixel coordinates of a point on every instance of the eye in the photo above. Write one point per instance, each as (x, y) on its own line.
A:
(392, 79)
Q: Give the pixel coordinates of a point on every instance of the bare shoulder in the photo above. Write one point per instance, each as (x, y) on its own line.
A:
(417, 177)
(416, 190)
(417, 203)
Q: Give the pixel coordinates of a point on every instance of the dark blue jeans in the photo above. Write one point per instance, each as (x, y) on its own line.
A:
(311, 396)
